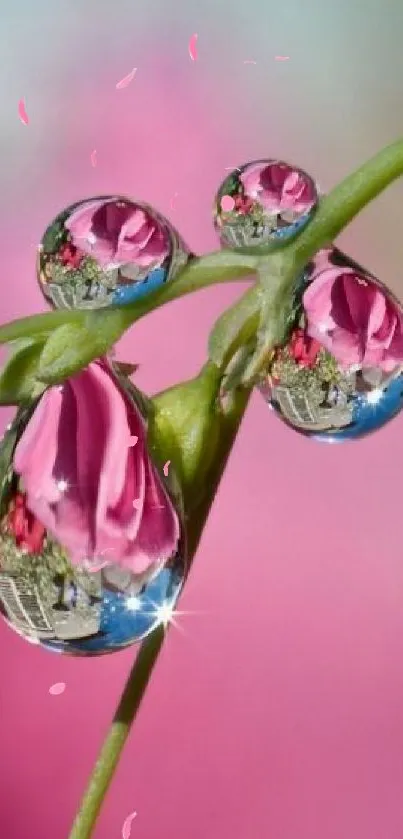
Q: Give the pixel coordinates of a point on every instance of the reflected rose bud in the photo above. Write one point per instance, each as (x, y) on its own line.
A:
(352, 317)
(115, 233)
(279, 187)
(82, 474)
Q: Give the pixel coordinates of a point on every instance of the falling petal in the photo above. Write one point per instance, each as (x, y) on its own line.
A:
(127, 79)
(22, 112)
(193, 47)
(137, 503)
(281, 57)
(133, 440)
(57, 689)
(166, 467)
(171, 203)
(94, 158)
(127, 826)
(249, 61)
(227, 203)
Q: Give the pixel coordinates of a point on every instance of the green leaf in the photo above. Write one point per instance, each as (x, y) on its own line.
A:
(53, 238)
(18, 379)
(73, 346)
(68, 350)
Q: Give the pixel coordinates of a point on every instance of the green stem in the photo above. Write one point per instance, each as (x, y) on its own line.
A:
(111, 750)
(201, 272)
(146, 659)
(345, 201)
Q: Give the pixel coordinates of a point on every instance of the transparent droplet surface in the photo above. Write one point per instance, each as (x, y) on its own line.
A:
(108, 250)
(86, 607)
(339, 375)
(263, 202)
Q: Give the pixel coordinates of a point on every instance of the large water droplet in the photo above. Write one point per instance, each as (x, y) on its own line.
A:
(339, 376)
(107, 250)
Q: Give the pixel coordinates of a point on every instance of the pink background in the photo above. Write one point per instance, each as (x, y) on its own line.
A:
(277, 711)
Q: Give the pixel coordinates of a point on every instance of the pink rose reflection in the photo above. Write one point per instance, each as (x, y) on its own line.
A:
(352, 317)
(279, 188)
(117, 233)
(81, 475)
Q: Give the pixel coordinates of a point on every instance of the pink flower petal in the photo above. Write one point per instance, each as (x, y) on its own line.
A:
(192, 47)
(22, 112)
(227, 203)
(127, 826)
(166, 467)
(126, 79)
(57, 689)
(94, 158)
(159, 530)
(133, 440)
(281, 57)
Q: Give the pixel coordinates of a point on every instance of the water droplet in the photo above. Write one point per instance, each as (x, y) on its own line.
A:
(272, 202)
(337, 378)
(109, 250)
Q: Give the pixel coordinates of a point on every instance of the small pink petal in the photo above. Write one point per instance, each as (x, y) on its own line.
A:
(166, 467)
(97, 566)
(227, 203)
(94, 158)
(133, 440)
(281, 57)
(22, 112)
(126, 79)
(171, 203)
(57, 689)
(249, 61)
(127, 826)
(192, 47)
(137, 503)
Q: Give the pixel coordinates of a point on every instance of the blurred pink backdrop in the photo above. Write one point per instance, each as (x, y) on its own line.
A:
(277, 709)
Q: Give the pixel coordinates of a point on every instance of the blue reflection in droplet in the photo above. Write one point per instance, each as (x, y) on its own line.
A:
(129, 293)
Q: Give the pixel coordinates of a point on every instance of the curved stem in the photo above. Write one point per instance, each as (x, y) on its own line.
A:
(148, 654)
(201, 272)
(345, 201)
(119, 731)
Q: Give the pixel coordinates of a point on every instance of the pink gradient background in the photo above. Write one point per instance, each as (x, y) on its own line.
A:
(278, 710)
